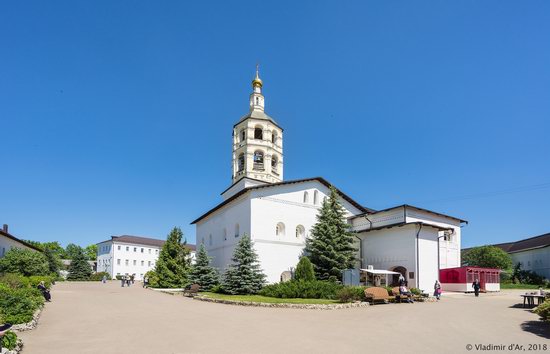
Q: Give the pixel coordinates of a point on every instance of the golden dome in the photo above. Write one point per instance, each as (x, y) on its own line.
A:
(257, 81)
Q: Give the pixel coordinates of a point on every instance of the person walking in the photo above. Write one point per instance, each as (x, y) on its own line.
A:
(437, 289)
(104, 279)
(145, 281)
(45, 292)
(128, 280)
(122, 280)
(132, 277)
(476, 287)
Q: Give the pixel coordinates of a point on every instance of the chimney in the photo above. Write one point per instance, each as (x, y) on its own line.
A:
(5, 228)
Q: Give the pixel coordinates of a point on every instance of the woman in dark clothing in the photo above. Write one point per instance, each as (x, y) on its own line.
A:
(45, 291)
(476, 287)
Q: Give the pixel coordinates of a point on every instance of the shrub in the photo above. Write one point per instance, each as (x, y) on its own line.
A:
(302, 289)
(389, 289)
(9, 340)
(24, 262)
(152, 279)
(14, 281)
(543, 310)
(18, 305)
(304, 270)
(36, 279)
(217, 289)
(119, 277)
(416, 291)
(99, 276)
(351, 294)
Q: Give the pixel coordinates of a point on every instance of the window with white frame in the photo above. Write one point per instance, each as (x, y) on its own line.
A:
(300, 231)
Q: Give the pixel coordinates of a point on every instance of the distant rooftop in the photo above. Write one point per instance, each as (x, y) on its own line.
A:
(140, 240)
(540, 241)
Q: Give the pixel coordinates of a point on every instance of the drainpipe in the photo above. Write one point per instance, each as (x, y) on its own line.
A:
(361, 243)
(417, 258)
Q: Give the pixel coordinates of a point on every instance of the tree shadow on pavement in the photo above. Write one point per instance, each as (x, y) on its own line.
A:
(540, 328)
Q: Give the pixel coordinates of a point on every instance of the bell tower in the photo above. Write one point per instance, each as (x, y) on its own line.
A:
(257, 141)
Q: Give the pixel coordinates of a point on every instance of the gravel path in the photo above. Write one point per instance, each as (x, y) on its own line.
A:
(105, 318)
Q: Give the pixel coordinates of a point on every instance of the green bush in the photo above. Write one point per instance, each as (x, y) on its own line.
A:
(18, 305)
(99, 276)
(218, 289)
(415, 291)
(119, 277)
(36, 279)
(14, 281)
(9, 340)
(351, 294)
(302, 289)
(304, 270)
(152, 279)
(24, 262)
(543, 310)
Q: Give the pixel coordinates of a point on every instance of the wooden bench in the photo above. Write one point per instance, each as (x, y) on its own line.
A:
(191, 290)
(398, 297)
(377, 294)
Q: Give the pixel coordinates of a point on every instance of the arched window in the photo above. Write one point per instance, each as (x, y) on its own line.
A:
(280, 229)
(224, 234)
(242, 135)
(210, 240)
(240, 163)
(237, 230)
(274, 137)
(258, 133)
(315, 197)
(274, 163)
(300, 231)
(306, 197)
(258, 160)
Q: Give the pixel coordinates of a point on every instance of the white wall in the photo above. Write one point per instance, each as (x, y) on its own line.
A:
(428, 271)
(7, 243)
(389, 248)
(109, 254)
(536, 260)
(449, 250)
(221, 248)
(285, 205)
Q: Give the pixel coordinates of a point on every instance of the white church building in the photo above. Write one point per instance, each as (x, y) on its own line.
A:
(278, 215)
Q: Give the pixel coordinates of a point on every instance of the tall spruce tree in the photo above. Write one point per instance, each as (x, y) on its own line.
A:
(244, 275)
(202, 273)
(173, 263)
(79, 269)
(331, 246)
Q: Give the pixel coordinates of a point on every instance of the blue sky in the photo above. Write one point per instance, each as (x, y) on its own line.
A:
(116, 116)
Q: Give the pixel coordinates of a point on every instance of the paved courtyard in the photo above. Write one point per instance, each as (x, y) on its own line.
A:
(105, 318)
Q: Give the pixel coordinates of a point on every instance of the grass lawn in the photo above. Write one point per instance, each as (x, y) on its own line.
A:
(520, 286)
(270, 300)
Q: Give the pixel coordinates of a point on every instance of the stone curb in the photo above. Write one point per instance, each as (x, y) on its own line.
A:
(29, 325)
(282, 305)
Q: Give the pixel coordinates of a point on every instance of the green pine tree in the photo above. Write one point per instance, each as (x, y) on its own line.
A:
(331, 245)
(79, 269)
(173, 265)
(202, 273)
(244, 276)
(54, 264)
(304, 270)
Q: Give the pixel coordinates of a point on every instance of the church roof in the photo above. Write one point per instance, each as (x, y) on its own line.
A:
(140, 240)
(269, 185)
(410, 206)
(256, 114)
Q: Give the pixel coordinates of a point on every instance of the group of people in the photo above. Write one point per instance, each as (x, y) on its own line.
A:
(127, 280)
(437, 289)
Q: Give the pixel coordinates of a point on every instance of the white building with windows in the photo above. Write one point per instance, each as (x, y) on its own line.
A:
(127, 255)
(278, 215)
(8, 241)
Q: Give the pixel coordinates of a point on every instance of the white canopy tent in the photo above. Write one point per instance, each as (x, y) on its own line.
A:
(376, 276)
